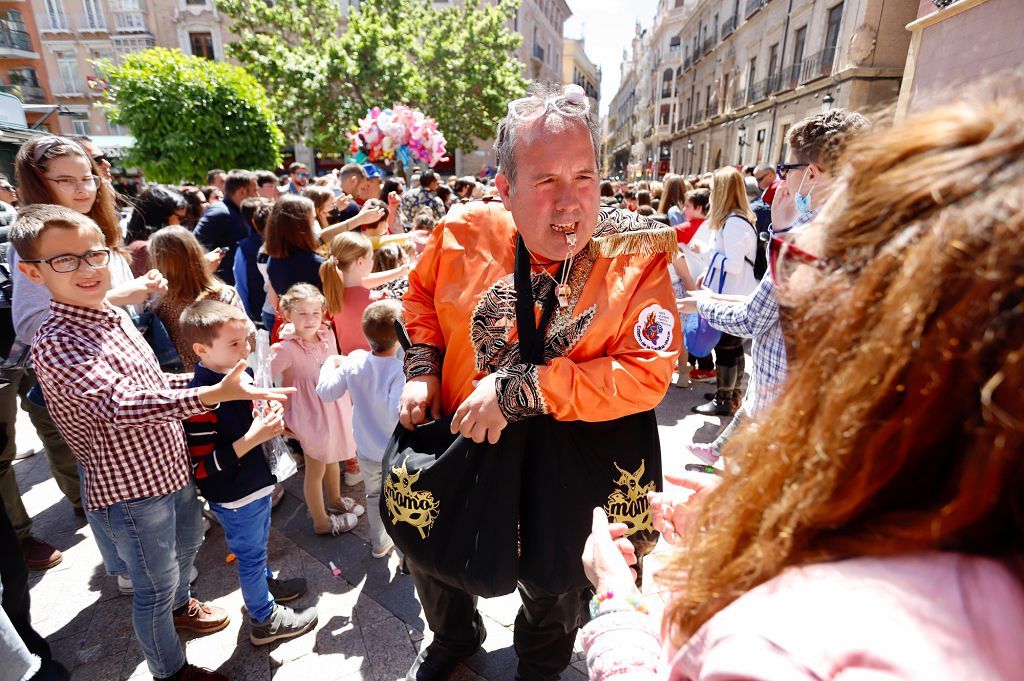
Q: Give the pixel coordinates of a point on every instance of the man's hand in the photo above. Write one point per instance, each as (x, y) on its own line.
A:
(341, 203)
(237, 385)
(420, 401)
(608, 557)
(479, 418)
(784, 211)
(264, 427)
(672, 509)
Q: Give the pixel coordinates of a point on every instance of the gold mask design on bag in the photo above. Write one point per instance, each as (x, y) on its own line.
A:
(405, 505)
(629, 505)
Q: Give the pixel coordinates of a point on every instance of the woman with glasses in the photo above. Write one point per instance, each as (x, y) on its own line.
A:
(730, 272)
(157, 207)
(873, 526)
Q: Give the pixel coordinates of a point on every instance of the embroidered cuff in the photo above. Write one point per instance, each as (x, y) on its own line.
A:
(422, 359)
(519, 394)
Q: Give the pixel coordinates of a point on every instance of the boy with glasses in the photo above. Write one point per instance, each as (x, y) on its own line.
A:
(121, 416)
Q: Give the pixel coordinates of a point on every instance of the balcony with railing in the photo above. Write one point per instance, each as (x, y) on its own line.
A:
(739, 98)
(752, 7)
(729, 26)
(29, 94)
(92, 23)
(12, 39)
(686, 62)
(712, 109)
(789, 78)
(666, 92)
(674, 51)
(818, 65)
(709, 44)
(55, 22)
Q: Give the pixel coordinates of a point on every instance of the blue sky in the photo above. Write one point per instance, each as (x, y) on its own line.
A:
(607, 27)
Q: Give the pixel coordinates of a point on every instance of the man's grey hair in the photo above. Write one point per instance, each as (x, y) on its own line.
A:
(509, 130)
(762, 167)
(753, 191)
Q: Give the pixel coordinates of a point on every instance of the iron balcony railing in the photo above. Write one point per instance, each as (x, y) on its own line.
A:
(729, 26)
(752, 7)
(818, 65)
(712, 109)
(13, 39)
(709, 44)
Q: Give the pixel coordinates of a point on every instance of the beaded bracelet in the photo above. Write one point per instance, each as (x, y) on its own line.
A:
(604, 603)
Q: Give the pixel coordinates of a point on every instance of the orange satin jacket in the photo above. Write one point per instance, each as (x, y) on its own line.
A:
(609, 354)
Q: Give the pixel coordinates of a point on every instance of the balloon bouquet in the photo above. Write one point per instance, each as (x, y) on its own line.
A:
(400, 133)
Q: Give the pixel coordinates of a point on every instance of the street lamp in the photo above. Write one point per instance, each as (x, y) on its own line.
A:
(826, 102)
(689, 148)
(742, 129)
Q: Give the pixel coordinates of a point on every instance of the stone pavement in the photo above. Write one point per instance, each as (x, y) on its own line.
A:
(371, 625)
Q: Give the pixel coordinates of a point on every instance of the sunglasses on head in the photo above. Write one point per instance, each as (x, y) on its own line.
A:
(101, 159)
(783, 168)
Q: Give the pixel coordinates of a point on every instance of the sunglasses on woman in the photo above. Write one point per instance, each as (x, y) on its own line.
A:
(784, 257)
(783, 168)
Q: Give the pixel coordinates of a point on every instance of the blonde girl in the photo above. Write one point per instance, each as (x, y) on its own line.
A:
(323, 430)
(179, 256)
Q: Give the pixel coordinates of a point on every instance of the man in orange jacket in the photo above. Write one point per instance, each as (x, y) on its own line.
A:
(609, 348)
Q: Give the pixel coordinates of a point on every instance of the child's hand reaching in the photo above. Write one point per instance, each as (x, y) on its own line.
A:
(234, 387)
(264, 426)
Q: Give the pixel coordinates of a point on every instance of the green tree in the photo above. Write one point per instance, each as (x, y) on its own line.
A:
(190, 114)
(454, 63)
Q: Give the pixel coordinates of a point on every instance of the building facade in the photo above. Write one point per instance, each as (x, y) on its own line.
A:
(577, 68)
(990, 27)
(753, 68)
(23, 72)
(193, 26)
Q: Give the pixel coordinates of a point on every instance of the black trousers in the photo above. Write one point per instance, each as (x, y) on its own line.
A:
(14, 575)
(545, 628)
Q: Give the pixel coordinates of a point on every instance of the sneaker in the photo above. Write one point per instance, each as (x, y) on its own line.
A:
(348, 505)
(201, 618)
(353, 479)
(124, 585)
(340, 523)
(434, 662)
(39, 555)
(702, 375)
(193, 673)
(284, 590)
(383, 551)
(705, 453)
(283, 623)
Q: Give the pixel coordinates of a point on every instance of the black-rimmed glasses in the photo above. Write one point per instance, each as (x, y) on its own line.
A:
(783, 168)
(69, 262)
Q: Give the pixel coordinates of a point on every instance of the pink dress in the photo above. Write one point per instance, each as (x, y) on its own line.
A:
(323, 430)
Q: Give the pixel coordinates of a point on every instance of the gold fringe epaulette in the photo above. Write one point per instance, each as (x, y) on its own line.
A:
(621, 232)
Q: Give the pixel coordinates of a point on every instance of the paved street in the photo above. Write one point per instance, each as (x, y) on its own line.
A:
(370, 626)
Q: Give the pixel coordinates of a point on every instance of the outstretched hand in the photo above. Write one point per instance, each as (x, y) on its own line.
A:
(673, 509)
(234, 386)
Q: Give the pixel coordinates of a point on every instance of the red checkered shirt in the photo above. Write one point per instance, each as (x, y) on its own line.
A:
(120, 414)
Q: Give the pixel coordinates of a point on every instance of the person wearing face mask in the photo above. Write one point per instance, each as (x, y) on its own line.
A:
(598, 279)
(815, 144)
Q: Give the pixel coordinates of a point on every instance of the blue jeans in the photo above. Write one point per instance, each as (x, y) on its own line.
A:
(246, 531)
(157, 538)
(111, 561)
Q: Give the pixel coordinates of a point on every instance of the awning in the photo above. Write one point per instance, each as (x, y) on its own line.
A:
(113, 145)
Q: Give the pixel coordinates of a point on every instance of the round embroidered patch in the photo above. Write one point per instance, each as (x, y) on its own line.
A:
(653, 329)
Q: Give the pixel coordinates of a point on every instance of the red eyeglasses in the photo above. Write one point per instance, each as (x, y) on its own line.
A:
(783, 257)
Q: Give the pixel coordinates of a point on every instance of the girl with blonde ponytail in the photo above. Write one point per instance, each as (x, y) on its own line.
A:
(347, 282)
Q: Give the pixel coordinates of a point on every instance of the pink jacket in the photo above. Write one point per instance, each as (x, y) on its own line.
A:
(927, 616)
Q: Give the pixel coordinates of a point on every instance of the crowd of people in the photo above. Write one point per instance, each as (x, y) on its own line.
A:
(860, 509)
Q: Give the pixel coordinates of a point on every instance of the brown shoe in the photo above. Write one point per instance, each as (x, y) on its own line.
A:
(193, 673)
(39, 555)
(202, 618)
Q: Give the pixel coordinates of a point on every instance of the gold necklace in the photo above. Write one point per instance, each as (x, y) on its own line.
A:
(562, 289)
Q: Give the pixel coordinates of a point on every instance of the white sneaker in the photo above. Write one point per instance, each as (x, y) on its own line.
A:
(353, 479)
(349, 505)
(124, 585)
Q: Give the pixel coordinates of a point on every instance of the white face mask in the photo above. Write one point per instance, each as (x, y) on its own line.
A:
(803, 201)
